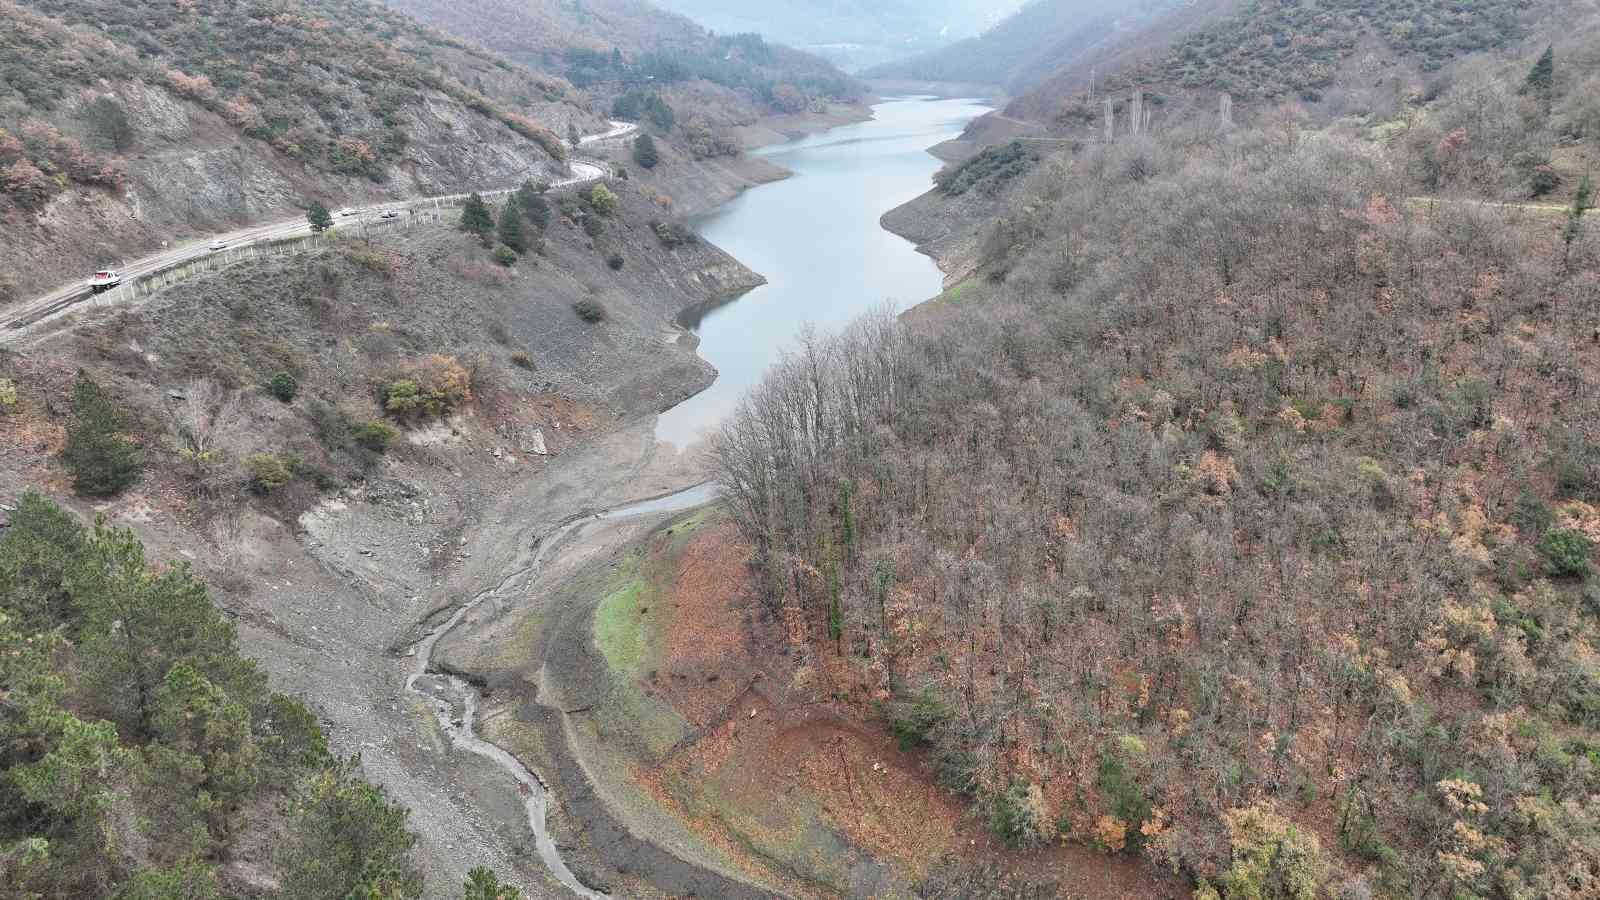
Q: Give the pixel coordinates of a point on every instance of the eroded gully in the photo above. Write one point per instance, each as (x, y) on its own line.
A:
(447, 693)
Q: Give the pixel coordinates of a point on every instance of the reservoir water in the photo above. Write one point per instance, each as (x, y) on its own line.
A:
(816, 238)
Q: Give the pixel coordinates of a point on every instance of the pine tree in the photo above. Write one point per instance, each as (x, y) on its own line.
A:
(319, 217)
(530, 198)
(510, 229)
(102, 460)
(1580, 205)
(483, 884)
(476, 218)
(659, 113)
(644, 151)
(1542, 78)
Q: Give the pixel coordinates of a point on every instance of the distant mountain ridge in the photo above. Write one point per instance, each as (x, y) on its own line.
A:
(852, 32)
(1020, 51)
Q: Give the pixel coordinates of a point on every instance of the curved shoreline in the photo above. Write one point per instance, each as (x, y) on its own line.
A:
(455, 701)
(445, 691)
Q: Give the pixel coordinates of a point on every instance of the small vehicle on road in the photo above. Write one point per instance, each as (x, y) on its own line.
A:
(389, 214)
(216, 245)
(343, 213)
(105, 280)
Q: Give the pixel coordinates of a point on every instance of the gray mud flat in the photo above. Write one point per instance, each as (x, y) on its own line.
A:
(456, 701)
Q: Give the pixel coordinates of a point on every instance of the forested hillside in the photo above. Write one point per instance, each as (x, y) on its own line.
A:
(1288, 48)
(1241, 514)
(142, 757)
(1274, 51)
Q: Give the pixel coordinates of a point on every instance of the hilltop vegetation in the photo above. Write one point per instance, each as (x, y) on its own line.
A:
(1292, 48)
(1240, 514)
(325, 82)
(165, 119)
(627, 43)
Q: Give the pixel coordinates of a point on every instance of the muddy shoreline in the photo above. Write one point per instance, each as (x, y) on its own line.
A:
(536, 684)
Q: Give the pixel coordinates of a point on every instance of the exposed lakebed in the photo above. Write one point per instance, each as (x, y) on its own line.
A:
(817, 239)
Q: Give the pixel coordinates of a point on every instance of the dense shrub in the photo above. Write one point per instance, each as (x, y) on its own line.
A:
(268, 472)
(505, 256)
(590, 310)
(601, 201)
(374, 436)
(284, 387)
(1567, 552)
(672, 235)
(436, 386)
(616, 262)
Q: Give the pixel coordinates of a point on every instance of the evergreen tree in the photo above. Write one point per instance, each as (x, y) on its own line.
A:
(107, 117)
(318, 216)
(346, 839)
(476, 218)
(102, 460)
(1580, 205)
(510, 229)
(483, 884)
(138, 623)
(1542, 78)
(39, 553)
(659, 113)
(531, 200)
(644, 151)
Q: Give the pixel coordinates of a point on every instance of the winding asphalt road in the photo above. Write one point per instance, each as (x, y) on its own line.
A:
(63, 298)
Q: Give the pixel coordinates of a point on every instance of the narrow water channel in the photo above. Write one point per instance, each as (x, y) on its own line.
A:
(816, 238)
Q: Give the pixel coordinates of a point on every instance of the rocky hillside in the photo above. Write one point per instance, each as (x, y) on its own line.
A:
(324, 438)
(124, 125)
(615, 44)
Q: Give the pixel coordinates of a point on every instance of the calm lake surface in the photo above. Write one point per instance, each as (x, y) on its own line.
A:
(816, 238)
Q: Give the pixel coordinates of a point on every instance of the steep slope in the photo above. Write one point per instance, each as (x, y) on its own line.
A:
(1268, 51)
(1020, 51)
(128, 124)
(342, 441)
(611, 44)
(1241, 514)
